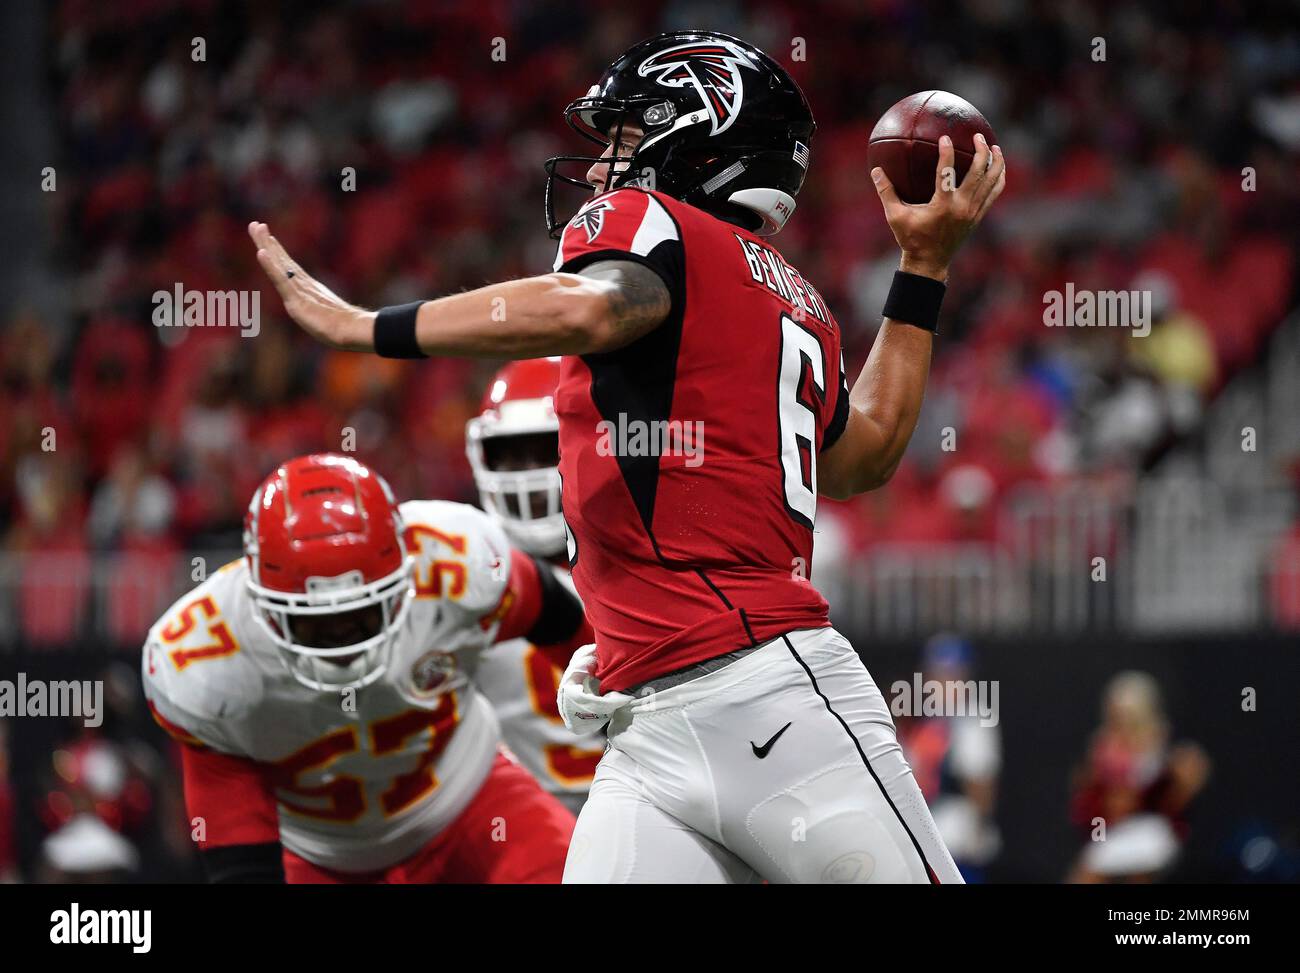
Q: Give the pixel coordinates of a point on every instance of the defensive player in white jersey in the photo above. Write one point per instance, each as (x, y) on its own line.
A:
(513, 446)
(322, 688)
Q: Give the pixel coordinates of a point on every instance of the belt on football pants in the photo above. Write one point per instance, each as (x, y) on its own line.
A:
(687, 673)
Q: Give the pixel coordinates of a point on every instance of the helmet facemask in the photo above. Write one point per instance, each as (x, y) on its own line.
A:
(323, 667)
(603, 121)
(526, 502)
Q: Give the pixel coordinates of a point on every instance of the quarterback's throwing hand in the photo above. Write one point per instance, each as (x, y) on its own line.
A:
(930, 233)
(317, 309)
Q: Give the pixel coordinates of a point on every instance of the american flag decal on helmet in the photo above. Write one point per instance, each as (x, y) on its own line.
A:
(712, 68)
(592, 218)
(801, 155)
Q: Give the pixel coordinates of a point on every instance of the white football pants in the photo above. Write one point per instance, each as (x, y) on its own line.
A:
(683, 795)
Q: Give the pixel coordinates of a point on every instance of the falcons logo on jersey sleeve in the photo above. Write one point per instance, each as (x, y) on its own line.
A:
(592, 218)
(712, 69)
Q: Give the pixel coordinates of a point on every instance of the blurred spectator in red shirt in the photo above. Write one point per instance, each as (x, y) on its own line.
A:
(1131, 794)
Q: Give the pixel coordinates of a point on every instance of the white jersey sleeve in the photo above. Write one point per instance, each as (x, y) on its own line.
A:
(198, 679)
(462, 565)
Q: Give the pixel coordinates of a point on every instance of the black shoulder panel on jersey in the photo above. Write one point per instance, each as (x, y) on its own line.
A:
(561, 612)
(835, 428)
(261, 864)
(636, 381)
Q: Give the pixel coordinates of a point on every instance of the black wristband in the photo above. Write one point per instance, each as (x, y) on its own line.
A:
(916, 300)
(395, 331)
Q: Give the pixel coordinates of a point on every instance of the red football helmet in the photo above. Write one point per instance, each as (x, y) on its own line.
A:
(328, 570)
(514, 446)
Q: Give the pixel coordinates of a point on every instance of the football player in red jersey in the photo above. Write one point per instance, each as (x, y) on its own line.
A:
(703, 407)
(322, 688)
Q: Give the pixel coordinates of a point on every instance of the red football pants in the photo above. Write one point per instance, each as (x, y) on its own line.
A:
(473, 849)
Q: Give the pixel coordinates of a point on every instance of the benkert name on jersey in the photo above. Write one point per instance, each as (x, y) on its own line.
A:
(769, 268)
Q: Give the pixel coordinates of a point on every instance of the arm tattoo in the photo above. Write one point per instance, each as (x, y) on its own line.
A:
(641, 302)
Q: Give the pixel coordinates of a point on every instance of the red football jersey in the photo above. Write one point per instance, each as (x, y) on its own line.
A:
(689, 457)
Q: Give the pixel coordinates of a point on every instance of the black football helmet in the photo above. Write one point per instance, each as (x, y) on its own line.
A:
(725, 128)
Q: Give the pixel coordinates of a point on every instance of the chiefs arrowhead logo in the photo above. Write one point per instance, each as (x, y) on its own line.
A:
(712, 68)
(592, 218)
(433, 673)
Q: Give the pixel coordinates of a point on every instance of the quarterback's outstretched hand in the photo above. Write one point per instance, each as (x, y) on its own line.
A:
(317, 309)
(930, 233)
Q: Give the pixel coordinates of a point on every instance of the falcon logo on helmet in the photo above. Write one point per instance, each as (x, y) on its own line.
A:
(712, 69)
(592, 218)
(717, 123)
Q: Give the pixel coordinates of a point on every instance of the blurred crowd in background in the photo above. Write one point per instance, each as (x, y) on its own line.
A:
(396, 149)
(1124, 173)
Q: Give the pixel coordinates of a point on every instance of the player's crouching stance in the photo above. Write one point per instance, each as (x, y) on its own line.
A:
(321, 688)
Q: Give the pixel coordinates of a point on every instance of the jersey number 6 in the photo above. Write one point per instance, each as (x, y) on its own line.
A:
(801, 354)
